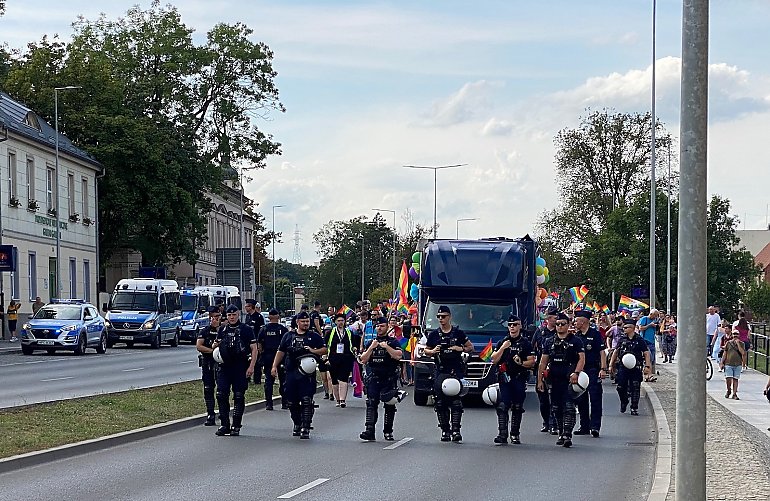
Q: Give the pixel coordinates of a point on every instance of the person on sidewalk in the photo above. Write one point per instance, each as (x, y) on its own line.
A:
(630, 379)
(648, 326)
(596, 368)
(732, 361)
(721, 336)
(744, 333)
(669, 342)
(13, 318)
(712, 324)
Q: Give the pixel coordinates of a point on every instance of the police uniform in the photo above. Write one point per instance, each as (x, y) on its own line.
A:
(299, 388)
(381, 386)
(630, 380)
(563, 356)
(269, 338)
(256, 321)
(512, 377)
(539, 338)
(208, 370)
(593, 345)
(449, 363)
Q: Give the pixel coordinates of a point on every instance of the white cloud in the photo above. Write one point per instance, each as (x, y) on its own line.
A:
(468, 103)
(497, 127)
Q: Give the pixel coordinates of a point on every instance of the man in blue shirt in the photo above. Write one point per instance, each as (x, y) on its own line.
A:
(648, 327)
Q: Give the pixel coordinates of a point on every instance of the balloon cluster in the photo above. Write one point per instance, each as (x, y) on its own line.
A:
(414, 274)
(541, 270)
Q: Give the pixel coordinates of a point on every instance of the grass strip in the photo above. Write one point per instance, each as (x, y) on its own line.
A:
(41, 426)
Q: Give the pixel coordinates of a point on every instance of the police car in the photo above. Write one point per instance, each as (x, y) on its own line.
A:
(64, 324)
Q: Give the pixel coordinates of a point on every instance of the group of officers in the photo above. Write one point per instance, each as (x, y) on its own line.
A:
(569, 364)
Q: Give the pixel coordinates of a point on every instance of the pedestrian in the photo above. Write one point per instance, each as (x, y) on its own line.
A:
(382, 358)
(256, 321)
(648, 327)
(589, 404)
(13, 318)
(562, 359)
(365, 328)
(539, 339)
(446, 345)
(712, 324)
(329, 316)
(268, 340)
(236, 342)
(719, 339)
(342, 347)
(515, 359)
(206, 362)
(669, 341)
(732, 360)
(300, 386)
(37, 305)
(630, 378)
(744, 332)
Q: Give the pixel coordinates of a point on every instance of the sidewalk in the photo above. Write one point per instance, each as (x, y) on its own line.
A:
(9, 347)
(737, 439)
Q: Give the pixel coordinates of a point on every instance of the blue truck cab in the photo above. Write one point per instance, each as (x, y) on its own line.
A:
(195, 317)
(144, 310)
(482, 282)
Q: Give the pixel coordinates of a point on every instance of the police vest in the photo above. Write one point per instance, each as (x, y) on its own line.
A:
(636, 346)
(208, 336)
(233, 347)
(564, 354)
(381, 363)
(519, 347)
(448, 358)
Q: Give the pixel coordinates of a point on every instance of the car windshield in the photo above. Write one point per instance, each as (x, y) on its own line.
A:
(472, 317)
(189, 303)
(57, 312)
(134, 301)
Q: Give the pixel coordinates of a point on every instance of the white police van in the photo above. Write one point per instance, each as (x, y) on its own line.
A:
(223, 294)
(144, 310)
(195, 317)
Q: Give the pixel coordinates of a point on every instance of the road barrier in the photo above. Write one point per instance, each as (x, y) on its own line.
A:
(758, 357)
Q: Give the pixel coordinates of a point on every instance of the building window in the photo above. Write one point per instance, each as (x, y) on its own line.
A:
(50, 187)
(15, 286)
(30, 178)
(12, 193)
(87, 281)
(84, 197)
(73, 278)
(32, 273)
(71, 192)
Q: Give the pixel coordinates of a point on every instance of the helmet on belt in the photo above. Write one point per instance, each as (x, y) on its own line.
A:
(581, 386)
(465, 386)
(390, 397)
(451, 387)
(629, 361)
(308, 365)
(217, 356)
(491, 394)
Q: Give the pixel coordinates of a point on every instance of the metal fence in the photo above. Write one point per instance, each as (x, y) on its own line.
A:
(759, 354)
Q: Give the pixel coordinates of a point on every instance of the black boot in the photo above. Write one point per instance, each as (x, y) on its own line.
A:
(517, 411)
(211, 420)
(371, 420)
(239, 407)
(502, 424)
(308, 408)
(457, 416)
(224, 413)
(296, 417)
(208, 398)
(390, 416)
(442, 413)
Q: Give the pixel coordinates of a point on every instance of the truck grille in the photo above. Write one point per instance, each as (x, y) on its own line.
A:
(477, 370)
(45, 333)
(127, 326)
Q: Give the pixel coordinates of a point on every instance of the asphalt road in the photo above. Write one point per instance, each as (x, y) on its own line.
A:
(28, 379)
(265, 462)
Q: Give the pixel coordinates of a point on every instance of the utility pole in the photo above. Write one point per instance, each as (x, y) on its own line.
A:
(435, 188)
(691, 382)
(652, 169)
(668, 245)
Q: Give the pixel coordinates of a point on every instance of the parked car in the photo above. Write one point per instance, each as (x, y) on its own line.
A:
(65, 324)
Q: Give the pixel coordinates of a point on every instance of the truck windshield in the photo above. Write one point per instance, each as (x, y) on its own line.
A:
(135, 301)
(472, 317)
(189, 303)
(58, 313)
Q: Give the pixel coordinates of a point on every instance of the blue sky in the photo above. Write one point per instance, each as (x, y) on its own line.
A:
(371, 86)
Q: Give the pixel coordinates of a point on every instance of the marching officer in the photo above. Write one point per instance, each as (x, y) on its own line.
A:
(381, 356)
(514, 357)
(539, 338)
(630, 380)
(268, 340)
(596, 368)
(256, 321)
(562, 360)
(207, 363)
(447, 344)
(236, 343)
(299, 387)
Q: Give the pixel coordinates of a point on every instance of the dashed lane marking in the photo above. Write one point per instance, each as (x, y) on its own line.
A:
(132, 370)
(56, 379)
(187, 362)
(306, 487)
(398, 444)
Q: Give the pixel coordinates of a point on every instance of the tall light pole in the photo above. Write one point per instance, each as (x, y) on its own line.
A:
(435, 187)
(274, 207)
(668, 245)
(240, 235)
(457, 225)
(361, 236)
(652, 168)
(56, 174)
(394, 243)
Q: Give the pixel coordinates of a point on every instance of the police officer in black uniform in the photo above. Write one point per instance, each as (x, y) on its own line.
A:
(206, 362)
(268, 340)
(447, 344)
(381, 356)
(255, 320)
(299, 388)
(236, 343)
(596, 368)
(539, 338)
(630, 380)
(514, 358)
(560, 363)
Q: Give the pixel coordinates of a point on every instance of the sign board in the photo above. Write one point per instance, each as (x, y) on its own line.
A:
(152, 272)
(8, 258)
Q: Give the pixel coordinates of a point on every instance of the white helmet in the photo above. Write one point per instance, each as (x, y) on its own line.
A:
(451, 387)
(490, 394)
(217, 356)
(581, 385)
(629, 361)
(308, 365)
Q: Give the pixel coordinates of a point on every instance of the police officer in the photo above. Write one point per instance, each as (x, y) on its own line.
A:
(206, 362)
(596, 368)
(514, 357)
(381, 357)
(236, 343)
(447, 344)
(299, 388)
(539, 338)
(630, 380)
(560, 363)
(268, 340)
(255, 320)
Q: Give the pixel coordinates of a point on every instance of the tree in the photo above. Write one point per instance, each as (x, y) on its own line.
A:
(758, 299)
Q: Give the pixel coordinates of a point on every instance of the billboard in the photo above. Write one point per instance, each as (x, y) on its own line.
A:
(8, 258)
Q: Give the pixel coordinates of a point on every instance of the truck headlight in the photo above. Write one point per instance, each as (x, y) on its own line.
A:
(148, 325)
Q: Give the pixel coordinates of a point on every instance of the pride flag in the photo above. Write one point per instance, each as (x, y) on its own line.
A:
(579, 293)
(628, 303)
(404, 342)
(596, 307)
(358, 382)
(606, 309)
(486, 353)
(345, 311)
(401, 294)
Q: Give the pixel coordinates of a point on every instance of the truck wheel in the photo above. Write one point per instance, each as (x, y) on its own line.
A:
(156, 341)
(421, 398)
(175, 340)
(26, 350)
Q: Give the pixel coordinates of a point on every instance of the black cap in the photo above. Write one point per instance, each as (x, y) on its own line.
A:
(513, 318)
(629, 321)
(273, 311)
(252, 302)
(583, 314)
(213, 309)
(382, 320)
(562, 316)
(317, 303)
(231, 309)
(302, 314)
(552, 311)
(444, 309)
(304, 307)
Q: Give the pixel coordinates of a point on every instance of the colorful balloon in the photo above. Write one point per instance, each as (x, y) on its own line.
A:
(546, 272)
(538, 270)
(416, 257)
(540, 279)
(414, 292)
(540, 261)
(413, 274)
(416, 267)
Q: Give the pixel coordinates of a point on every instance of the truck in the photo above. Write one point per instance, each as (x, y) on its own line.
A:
(482, 282)
(195, 305)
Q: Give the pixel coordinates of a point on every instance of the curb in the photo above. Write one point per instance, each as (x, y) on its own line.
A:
(664, 456)
(10, 350)
(36, 458)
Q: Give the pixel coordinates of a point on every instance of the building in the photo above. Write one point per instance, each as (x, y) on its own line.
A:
(758, 243)
(28, 201)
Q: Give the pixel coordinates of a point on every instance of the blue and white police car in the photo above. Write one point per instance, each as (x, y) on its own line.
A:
(65, 324)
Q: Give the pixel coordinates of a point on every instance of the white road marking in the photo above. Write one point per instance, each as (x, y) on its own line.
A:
(399, 443)
(56, 379)
(187, 362)
(131, 370)
(304, 488)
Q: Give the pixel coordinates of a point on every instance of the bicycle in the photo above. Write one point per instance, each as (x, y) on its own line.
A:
(709, 369)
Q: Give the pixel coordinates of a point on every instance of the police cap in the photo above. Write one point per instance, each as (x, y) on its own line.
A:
(302, 315)
(272, 312)
(513, 318)
(583, 314)
(444, 309)
(552, 311)
(231, 309)
(382, 320)
(252, 302)
(213, 309)
(562, 316)
(629, 321)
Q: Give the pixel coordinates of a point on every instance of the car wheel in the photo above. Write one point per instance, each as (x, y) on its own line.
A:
(110, 344)
(156, 341)
(175, 340)
(26, 350)
(81, 348)
(102, 346)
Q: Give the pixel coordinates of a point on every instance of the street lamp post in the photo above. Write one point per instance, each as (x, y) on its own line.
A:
(394, 243)
(361, 236)
(652, 168)
(435, 187)
(274, 207)
(56, 174)
(457, 225)
(240, 236)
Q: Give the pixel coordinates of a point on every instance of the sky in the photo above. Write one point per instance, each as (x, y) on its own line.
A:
(372, 86)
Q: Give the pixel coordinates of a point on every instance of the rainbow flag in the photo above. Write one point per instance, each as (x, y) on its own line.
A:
(345, 311)
(579, 293)
(596, 307)
(588, 307)
(629, 304)
(486, 353)
(358, 382)
(404, 342)
(401, 294)
(606, 309)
